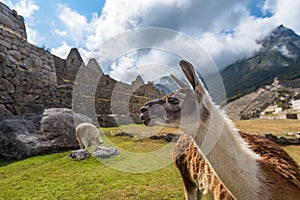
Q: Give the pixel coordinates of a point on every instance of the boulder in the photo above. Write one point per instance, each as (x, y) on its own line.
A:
(35, 134)
(80, 154)
(105, 152)
(58, 126)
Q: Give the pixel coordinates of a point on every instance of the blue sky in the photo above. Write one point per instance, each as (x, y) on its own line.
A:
(48, 13)
(227, 30)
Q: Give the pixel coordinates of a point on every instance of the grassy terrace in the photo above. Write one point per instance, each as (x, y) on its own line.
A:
(57, 177)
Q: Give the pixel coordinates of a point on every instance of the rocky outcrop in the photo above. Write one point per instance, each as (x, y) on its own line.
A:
(34, 134)
(284, 140)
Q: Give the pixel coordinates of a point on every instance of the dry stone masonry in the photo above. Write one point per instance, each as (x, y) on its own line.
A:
(33, 80)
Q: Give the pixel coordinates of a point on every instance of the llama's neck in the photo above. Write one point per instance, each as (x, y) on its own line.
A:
(228, 155)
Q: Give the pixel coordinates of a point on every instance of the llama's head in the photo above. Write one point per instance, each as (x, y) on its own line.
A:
(185, 106)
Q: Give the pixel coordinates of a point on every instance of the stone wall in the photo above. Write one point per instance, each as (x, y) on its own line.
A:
(11, 21)
(32, 79)
(27, 72)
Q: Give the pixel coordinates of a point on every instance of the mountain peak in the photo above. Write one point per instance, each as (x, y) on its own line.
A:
(283, 40)
(283, 31)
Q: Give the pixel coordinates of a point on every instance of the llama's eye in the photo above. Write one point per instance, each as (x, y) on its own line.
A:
(173, 100)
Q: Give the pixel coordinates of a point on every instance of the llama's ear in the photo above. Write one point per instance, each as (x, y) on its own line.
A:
(191, 76)
(179, 82)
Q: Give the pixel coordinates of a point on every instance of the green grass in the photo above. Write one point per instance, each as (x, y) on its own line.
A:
(58, 177)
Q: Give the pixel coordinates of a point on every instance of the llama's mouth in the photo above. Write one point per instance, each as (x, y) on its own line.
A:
(147, 122)
(145, 118)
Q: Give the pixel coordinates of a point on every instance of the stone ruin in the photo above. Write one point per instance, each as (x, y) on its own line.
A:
(33, 80)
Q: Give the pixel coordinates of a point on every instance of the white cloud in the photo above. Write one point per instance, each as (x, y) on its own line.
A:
(76, 26)
(61, 51)
(26, 8)
(60, 32)
(149, 65)
(225, 29)
(33, 36)
(285, 12)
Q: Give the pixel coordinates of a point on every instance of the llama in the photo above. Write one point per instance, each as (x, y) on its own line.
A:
(237, 166)
(87, 135)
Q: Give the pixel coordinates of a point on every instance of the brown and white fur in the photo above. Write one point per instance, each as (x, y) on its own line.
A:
(215, 158)
(87, 135)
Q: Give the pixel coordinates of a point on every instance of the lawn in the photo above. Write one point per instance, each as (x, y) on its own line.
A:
(56, 176)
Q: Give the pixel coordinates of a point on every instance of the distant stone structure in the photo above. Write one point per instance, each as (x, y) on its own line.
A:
(273, 101)
(32, 79)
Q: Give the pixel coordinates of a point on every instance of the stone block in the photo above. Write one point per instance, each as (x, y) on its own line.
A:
(5, 43)
(38, 63)
(4, 112)
(3, 49)
(5, 98)
(16, 54)
(6, 86)
(7, 72)
(23, 51)
(22, 108)
(14, 47)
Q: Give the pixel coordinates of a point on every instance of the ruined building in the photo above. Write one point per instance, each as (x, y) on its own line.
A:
(32, 79)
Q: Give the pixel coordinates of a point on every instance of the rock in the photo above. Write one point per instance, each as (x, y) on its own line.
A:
(5, 98)
(19, 137)
(4, 112)
(271, 137)
(107, 121)
(282, 140)
(7, 69)
(121, 133)
(58, 125)
(6, 86)
(15, 54)
(80, 154)
(22, 108)
(35, 134)
(168, 137)
(105, 152)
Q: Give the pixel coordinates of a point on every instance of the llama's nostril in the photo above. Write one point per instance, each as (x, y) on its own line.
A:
(144, 109)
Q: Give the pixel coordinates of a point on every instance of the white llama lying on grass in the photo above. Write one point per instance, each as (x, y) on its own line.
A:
(239, 166)
(87, 135)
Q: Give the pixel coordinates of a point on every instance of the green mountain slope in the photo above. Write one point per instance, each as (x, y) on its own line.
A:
(279, 56)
